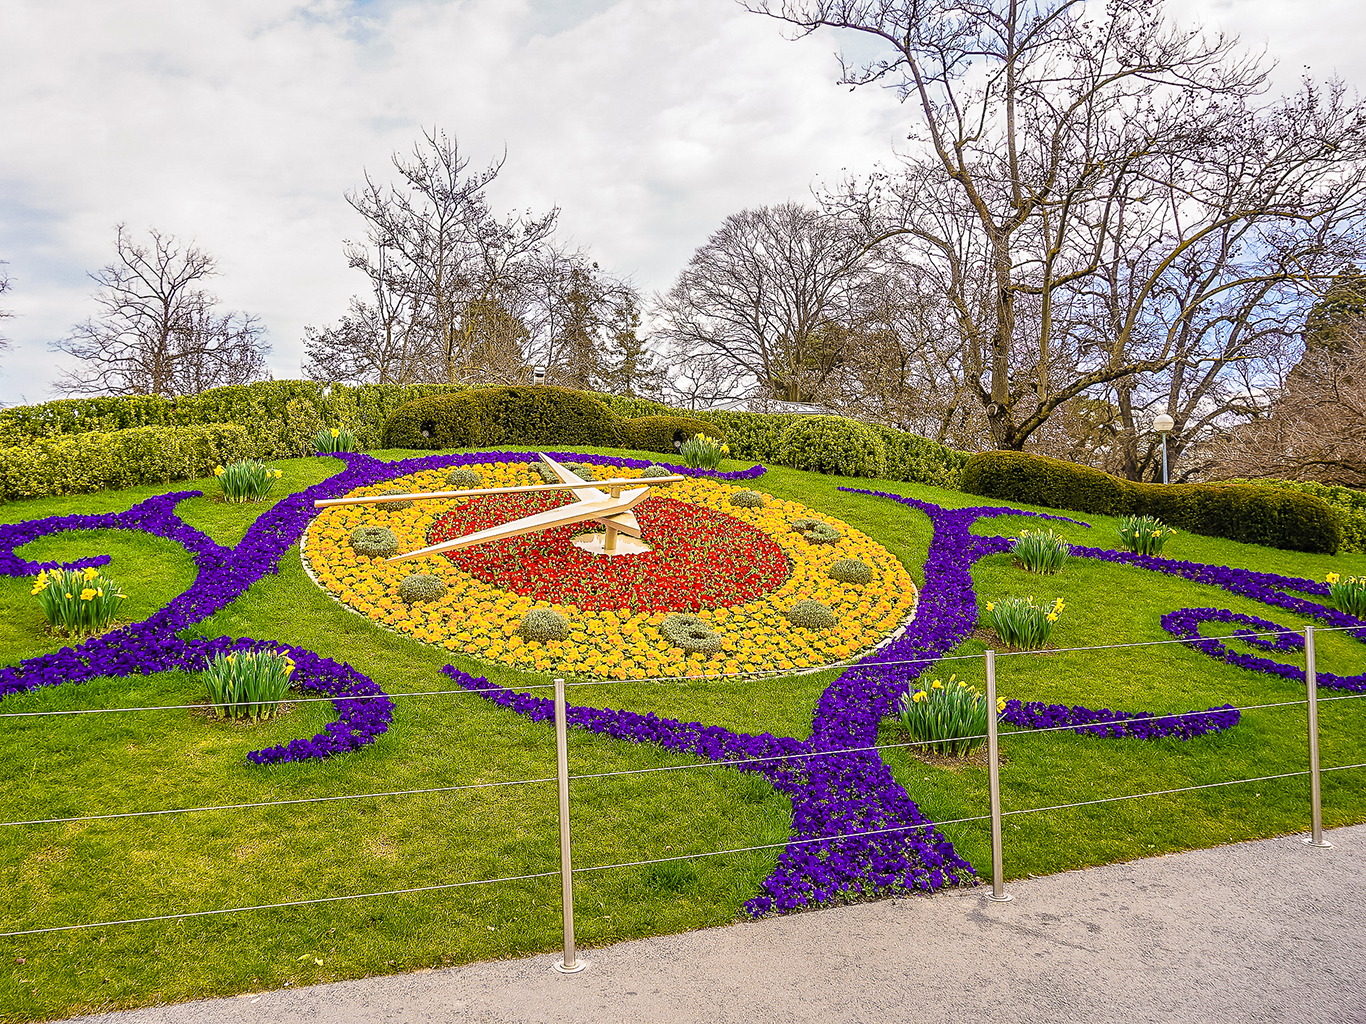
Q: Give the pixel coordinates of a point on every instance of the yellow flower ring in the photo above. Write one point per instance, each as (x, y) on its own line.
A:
(614, 633)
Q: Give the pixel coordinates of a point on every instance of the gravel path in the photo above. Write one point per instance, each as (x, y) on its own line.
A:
(1270, 931)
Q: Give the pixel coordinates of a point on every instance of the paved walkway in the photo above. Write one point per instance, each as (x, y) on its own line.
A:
(1271, 931)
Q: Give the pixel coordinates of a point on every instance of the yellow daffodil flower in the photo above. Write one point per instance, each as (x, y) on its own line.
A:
(90, 573)
(219, 471)
(87, 593)
(1333, 577)
(336, 432)
(936, 685)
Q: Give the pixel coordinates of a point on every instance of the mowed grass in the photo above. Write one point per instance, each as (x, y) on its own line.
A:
(122, 868)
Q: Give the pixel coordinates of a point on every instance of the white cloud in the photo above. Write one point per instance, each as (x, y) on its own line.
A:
(242, 124)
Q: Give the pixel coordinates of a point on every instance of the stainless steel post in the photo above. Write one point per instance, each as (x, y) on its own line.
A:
(1311, 680)
(1164, 456)
(569, 964)
(998, 893)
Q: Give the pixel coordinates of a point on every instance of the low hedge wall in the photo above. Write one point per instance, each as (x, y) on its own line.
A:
(1244, 512)
(1349, 504)
(502, 415)
(662, 433)
(97, 461)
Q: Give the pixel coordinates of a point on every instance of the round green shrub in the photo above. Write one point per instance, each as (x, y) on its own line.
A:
(374, 541)
(816, 531)
(543, 624)
(747, 499)
(654, 471)
(690, 632)
(546, 474)
(395, 506)
(850, 570)
(811, 615)
(462, 478)
(421, 586)
(833, 444)
(581, 469)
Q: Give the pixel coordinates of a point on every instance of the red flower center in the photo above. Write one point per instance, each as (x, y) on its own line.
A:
(699, 557)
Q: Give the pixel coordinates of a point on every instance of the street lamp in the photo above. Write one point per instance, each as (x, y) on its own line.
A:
(538, 375)
(1162, 424)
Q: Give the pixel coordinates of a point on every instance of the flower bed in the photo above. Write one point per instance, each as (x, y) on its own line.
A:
(737, 568)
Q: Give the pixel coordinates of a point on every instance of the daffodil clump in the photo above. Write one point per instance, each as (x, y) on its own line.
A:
(1041, 551)
(337, 439)
(1348, 595)
(1144, 535)
(479, 620)
(248, 684)
(245, 481)
(77, 600)
(1022, 624)
(703, 452)
(949, 718)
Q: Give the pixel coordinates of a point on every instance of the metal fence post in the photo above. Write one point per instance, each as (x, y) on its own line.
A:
(1311, 679)
(998, 893)
(569, 963)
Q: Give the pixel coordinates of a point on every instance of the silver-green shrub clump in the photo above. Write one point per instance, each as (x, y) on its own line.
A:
(421, 586)
(816, 531)
(546, 474)
(248, 684)
(850, 570)
(374, 541)
(395, 506)
(464, 479)
(543, 624)
(811, 615)
(690, 632)
(747, 499)
(951, 718)
(245, 481)
(1040, 551)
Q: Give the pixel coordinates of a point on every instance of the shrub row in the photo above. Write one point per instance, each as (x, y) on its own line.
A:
(1349, 504)
(96, 461)
(1256, 515)
(530, 416)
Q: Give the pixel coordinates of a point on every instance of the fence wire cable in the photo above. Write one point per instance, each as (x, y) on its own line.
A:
(275, 906)
(276, 803)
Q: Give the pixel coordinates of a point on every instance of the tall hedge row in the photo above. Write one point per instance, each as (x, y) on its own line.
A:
(1349, 504)
(1243, 512)
(98, 460)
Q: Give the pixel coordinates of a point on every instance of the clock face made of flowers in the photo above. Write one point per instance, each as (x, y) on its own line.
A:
(738, 571)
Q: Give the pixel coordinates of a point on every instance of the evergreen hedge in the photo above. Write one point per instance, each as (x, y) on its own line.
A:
(525, 415)
(1348, 503)
(1244, 512)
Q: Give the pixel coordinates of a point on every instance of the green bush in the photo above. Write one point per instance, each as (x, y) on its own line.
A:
(919, 460)
(833, 444)
(1254, 515)
(374, 541)
(1349, 504)
(463, 478)
(97, 461)
(811, 615)
(664, 434)
(421, 586)
(690, 632)
(657, 471)
(850, 570)
(542, 624)
(499, 416)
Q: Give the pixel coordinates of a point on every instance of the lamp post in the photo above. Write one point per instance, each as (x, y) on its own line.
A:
(1162, 424)
(538, 375)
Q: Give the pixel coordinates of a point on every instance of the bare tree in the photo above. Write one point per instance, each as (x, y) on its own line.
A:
(159, 332)
(5, 314)
(1317, 426)
(757, 297)
(1094, 190)
(438, 259)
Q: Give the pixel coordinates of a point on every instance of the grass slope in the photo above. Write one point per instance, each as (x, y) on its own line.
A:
(126, 868)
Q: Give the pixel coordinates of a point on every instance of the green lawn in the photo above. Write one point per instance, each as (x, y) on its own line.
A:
(141, 867)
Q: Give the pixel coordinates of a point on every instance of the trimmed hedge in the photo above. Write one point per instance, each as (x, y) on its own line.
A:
(97, 461)
(1349, 504)
(833, 444)
(1242, 512)
(502, 415)
(662, 433)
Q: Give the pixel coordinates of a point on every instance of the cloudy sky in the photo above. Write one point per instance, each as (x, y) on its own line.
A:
(240, 124)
